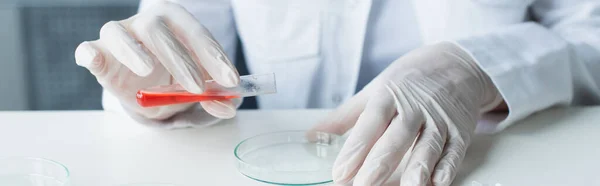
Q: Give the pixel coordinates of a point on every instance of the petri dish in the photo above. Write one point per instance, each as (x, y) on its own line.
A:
(289, 157)
(31, 171)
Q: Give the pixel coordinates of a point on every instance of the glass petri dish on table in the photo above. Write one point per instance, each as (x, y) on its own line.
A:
(289, 157)
(31, 171)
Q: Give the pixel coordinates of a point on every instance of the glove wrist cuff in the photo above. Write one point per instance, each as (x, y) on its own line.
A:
(489, 95)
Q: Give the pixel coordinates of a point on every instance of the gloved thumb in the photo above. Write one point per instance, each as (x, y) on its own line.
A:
(223, 109)
(342, 119)
(88, 56)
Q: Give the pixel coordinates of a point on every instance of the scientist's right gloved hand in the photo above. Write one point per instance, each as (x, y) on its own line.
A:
(425, 104)
(162, 45)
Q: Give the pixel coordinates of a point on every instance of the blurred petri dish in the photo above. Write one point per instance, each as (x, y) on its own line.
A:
(289, 157)
(31, 171)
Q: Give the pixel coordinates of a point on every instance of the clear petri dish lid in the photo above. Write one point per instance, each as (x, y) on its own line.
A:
(32, 171)
(289, 157)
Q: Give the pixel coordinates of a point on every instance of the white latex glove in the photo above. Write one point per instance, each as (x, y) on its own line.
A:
(162, 45)
(433, 95)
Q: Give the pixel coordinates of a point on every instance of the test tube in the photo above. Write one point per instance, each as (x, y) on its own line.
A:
(250, 85)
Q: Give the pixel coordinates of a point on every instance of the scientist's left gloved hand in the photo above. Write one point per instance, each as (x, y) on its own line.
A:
(433, 95)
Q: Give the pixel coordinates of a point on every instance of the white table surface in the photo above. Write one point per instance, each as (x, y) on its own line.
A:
(556, 147)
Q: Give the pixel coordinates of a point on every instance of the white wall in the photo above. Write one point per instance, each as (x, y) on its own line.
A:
(13, 95)
(13, 90)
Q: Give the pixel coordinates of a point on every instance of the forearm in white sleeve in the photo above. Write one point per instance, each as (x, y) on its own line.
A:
(555, 61)
(217, 17)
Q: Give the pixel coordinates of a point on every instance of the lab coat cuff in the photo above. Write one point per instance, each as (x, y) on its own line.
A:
(521, 62)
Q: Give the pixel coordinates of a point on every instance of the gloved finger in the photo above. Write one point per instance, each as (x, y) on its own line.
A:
(371, 124)
(87, 55)
(386, 154)
(158, 39)
(345, 116)
(126, 49)
(94, 56)
(224, 109)
(425, 154)
(452, 157)
(341, 119)
(109, 72)
(200, 42)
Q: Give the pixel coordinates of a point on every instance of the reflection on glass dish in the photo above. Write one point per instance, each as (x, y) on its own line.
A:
(289, 157)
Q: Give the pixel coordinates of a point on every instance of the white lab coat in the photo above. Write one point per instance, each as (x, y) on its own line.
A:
(535, 65)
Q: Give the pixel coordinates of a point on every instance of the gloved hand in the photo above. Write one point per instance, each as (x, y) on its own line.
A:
(160, 46)
(433, 95)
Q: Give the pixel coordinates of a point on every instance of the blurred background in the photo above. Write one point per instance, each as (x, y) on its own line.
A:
(37, 42)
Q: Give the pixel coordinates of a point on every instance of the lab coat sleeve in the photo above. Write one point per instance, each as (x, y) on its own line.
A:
(552, 62)
(217, 17)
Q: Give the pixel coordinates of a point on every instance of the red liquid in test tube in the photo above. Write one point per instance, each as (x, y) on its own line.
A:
(153, 99)
(250, 85)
